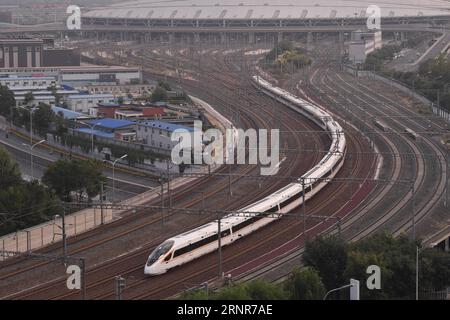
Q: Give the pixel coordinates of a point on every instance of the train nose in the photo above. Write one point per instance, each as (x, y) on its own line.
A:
(147, 270)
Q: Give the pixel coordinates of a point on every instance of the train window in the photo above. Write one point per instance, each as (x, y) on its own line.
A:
(160, 251)
(169, 256)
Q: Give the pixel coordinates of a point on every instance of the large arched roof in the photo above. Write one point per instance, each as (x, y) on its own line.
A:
(267, 9)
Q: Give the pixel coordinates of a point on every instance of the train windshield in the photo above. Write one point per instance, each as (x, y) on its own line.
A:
(158, 252)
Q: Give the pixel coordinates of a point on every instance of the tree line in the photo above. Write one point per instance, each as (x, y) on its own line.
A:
(329, 263)
(28, 203)
(285, 56)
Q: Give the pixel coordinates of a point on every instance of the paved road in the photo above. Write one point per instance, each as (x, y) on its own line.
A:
(427, 53)
(126, 185)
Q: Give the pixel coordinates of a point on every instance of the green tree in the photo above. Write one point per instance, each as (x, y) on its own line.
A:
(60, 178)
(396, 257)
(42, 118)
(92, 177)
(262, 290)
(9, 171)
(29, 97)
(164, 84)
(328, 255)
(305, 284)
(7, 101)
(357, 263)
(78, 176)
(237, 292)
(159, 94)
(434, 269)
(25, 205)
(199, 294)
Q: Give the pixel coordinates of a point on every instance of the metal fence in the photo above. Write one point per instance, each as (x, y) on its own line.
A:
(50, 232)
(437, 110)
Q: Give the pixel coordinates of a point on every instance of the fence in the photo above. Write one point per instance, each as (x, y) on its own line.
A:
(85, 220)
(50, 232)
(437, 110)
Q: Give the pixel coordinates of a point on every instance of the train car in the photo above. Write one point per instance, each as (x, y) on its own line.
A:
(412, 134)
(193, 244)
(381, 125)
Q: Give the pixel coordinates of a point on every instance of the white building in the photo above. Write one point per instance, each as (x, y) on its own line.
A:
(30, 83)
(363, 43)
(99, 75)
(158, 134)
(84, 102)
(49, 100)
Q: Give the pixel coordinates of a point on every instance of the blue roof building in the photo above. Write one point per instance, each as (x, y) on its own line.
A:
(112, 124)
(110, 128)
(69, 114)
(165, 125)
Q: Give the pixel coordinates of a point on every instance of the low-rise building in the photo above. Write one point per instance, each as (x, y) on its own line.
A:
(362, 44)
(135, 112)
(158, 134)
(84, 102)
(109, 128)
(122, 90)
(32, 83)
(69, 114)
(49, 100)
(99, 75)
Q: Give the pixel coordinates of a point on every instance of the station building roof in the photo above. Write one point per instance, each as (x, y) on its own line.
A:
(265, 9)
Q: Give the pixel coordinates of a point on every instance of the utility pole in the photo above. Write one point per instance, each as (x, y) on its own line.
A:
(120, 286)
(64, 237)
(230, 192)
(83, 278)
(168, 185)
(304, 207)
(219, 238)
(102, 217)
(413, 212)
(162, 198)
(417, 273)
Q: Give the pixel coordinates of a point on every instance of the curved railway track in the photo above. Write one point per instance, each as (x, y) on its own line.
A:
(256, 117)
(104, 285)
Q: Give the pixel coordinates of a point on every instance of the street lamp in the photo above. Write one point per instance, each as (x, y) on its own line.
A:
(92, 127)
(114, 177)
(31, 156)
(31, 110)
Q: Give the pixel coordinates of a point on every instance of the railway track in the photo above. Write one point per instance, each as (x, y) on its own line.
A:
(291, 167)
(277, 269)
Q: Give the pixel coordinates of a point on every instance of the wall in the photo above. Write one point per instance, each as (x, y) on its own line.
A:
(61, 57)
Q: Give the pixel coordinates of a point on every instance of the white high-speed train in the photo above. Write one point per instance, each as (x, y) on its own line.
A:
(204, 239)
